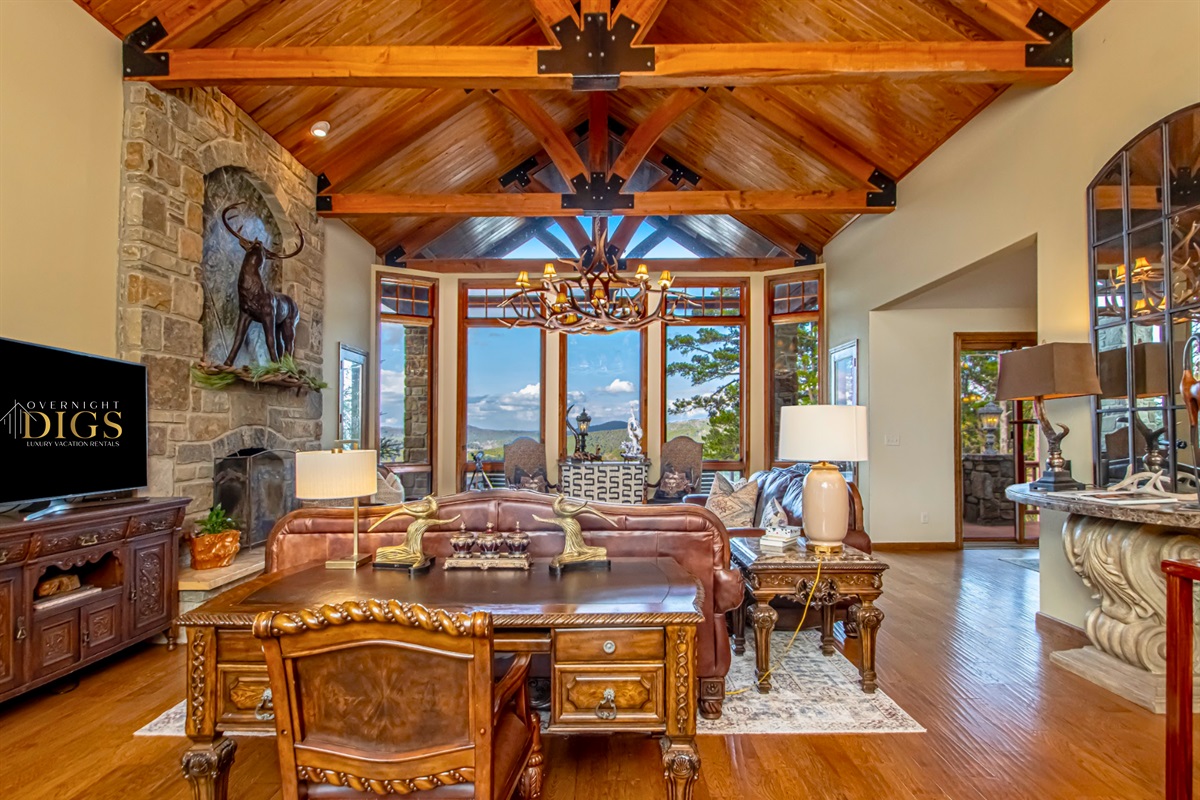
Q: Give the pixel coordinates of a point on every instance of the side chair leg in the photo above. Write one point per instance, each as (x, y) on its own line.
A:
(530, 786)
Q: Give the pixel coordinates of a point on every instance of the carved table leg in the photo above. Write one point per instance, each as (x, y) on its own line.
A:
(530, 785)
(827, 629)
(206, 766)
(852, 620)
(712, 697)
(869, 620)
(764, 618)
(738, 621)
(681, 765)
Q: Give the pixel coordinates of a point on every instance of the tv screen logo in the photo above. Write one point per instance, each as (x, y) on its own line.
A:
(65, 423)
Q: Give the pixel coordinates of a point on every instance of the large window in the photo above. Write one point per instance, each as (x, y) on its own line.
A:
(501, 394)
(406, 380)
(794, 341)
(705, 372)
(603, 375)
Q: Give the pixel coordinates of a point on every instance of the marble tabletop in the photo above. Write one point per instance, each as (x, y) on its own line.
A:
(1166, 514)
(746, 552)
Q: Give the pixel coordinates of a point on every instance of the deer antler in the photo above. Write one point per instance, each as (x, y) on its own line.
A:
(292, 254)
(243, 241)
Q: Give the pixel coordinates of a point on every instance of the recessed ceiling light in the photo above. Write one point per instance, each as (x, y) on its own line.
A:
(320, 129)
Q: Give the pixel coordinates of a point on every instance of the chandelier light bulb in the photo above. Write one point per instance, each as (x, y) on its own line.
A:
(319, 129)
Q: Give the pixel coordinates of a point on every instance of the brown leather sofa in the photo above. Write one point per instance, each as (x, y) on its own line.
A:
(694, 537)
(785, 484)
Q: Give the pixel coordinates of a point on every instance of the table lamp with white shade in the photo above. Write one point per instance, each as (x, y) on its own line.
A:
(823, 434)
(336, 474)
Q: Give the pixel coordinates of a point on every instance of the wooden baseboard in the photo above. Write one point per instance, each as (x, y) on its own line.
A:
(913, 546)
(1074, 635)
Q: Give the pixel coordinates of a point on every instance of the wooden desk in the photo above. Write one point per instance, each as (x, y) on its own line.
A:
(622, 648)
(851, 574)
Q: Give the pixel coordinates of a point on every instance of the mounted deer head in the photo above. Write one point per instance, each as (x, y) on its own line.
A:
(250, 245)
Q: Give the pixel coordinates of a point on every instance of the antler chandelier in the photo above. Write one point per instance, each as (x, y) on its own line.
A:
(1147, 281)
(596, 299)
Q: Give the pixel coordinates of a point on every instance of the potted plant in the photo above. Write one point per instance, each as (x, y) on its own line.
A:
(215, 540)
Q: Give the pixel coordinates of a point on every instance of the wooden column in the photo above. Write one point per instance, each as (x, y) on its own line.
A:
(1180, 575)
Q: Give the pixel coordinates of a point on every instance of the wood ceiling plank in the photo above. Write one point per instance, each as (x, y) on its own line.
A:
(540, 204)
(676, 65)
(646, 134)
(549, 13)
(1004, 19)
(193, 23)
(547, 131)
(644, 12)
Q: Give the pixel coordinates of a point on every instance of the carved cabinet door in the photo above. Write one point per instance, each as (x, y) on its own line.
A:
(56, 642)
(14, 629)
(150, 584)
(101, 623)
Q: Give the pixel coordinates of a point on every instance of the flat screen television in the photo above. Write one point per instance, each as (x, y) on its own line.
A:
(71, 424)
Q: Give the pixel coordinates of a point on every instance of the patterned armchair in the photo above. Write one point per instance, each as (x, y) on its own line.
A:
(525, 466)
(682, 466)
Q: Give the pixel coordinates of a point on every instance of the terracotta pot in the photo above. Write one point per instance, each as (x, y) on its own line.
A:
(215, 550)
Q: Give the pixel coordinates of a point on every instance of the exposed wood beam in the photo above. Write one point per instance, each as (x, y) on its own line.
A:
(683, 237)
(390, 134)
(628, 227)
(552, 138)
(511, 266)
(764, 107)
(643, 12)
(656, 237)
(571, 226)
(1004, 19)
(598, 132)
(645, 204)
(550, 12)
(594, 6)
(193, 23)
(647, 134)
(417, 240)
(554, 243)
(676, 65)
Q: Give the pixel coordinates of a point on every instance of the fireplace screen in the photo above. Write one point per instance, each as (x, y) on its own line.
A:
(256, 487)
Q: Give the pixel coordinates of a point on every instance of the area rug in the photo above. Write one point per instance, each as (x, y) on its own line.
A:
(810, 693)
(1028, 562)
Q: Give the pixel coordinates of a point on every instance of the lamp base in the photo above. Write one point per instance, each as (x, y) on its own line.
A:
(823, 549)
(826, 511)
(347, 563)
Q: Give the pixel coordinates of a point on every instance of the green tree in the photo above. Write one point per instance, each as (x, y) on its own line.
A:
(708, 355)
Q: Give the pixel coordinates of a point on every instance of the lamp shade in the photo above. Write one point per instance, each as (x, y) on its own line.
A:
(823, 433)
(1049, 371)
(330, 474)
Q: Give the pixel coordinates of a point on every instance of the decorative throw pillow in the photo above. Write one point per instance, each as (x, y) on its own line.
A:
(773, 515)
(733, 504)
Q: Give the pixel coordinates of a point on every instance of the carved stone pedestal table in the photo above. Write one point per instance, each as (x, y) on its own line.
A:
(851, 574)
(1118, 552)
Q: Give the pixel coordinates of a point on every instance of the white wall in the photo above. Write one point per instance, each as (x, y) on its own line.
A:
(349, 314)
(1020, 169)
(913, 365)
(60, 158)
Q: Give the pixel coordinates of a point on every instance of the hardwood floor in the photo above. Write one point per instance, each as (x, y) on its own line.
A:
(958, 650)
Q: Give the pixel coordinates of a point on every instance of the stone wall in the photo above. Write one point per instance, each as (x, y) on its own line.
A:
(416, 408)
(172, 141)
(985, 477)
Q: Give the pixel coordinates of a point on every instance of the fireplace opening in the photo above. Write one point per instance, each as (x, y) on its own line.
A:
(256, 487)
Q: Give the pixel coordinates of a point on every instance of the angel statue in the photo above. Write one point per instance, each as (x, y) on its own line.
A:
(574, 549)
(410, 553)
(631, 450)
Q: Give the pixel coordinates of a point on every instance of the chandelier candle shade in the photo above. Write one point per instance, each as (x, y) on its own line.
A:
(1048, 372)
(337, 474)
(596, 298)
(824, 434)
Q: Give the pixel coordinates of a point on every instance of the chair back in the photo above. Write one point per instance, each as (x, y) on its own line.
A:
(525, 465)
(682, 465)
(380, 696)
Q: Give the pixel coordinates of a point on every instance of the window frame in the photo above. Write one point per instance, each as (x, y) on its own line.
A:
(381, 319)
(355, 356)
(742, 321)
(771, 319)
(562, 386)
(465, 323)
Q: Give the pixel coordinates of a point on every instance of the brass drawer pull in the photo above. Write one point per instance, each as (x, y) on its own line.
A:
(3, 556)
(265, 710)
(20, 628)
(608, 705)
(610, 647)
(90, 539)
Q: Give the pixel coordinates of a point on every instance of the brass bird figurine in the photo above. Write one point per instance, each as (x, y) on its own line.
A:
(410, 553)
(575, 551)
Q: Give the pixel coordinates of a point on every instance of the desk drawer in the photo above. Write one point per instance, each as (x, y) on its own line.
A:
(60, 542)
(636, 696)
(608, 645)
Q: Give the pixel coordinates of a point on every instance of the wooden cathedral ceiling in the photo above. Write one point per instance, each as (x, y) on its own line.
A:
(799, 107)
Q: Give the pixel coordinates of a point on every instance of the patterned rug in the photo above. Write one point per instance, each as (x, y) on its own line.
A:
(1028, 562)
(810, 693)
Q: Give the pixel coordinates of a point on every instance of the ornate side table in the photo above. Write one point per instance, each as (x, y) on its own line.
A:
(851, 574)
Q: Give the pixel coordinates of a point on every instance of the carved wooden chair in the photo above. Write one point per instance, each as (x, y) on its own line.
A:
(525, 465)
(682, 467)
(383, 697)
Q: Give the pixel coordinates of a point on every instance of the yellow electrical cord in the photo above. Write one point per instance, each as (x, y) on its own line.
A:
(786, 650)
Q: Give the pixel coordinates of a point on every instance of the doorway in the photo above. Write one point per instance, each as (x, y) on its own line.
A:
(995, 445)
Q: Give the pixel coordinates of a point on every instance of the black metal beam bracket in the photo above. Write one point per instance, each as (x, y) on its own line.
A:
(596, 55)
(679, 172)
(394, 257)
(135, 61)
(600, 194)
(807, 258)
(885, 197)
(520, 173)
(1057, 50)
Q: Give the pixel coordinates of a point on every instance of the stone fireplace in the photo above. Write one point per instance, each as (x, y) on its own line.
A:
(186, 155)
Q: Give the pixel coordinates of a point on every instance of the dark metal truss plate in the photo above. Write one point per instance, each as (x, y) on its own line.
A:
(595, 56)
